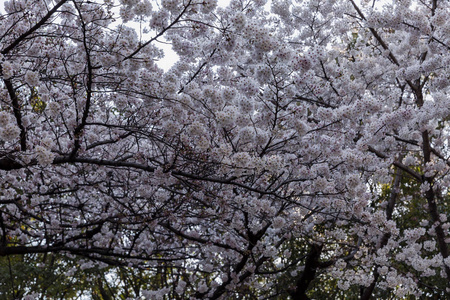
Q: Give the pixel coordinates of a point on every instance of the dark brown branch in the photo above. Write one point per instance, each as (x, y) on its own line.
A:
(17, 113)
(78, 130)
(7, 163)
(198, 71)
(177, 19)
(432, 205)
(383, 44)
(398, 164)
(308, 274)
(34, 28)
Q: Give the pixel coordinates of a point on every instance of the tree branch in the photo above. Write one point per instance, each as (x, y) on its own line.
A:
(34, 28)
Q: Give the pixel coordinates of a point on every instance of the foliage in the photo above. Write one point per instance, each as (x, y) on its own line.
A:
(298, 151)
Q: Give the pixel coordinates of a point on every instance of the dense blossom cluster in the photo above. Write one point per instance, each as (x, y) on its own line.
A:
(286, 150)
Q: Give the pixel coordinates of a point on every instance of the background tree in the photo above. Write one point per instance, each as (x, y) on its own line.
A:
(282, 151)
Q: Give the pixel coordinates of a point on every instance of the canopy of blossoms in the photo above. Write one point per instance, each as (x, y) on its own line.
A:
(291, 142)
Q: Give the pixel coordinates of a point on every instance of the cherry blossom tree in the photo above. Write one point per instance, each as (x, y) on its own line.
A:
(288, 149)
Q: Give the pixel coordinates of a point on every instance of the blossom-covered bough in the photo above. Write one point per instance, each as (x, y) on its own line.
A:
(288, 153)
